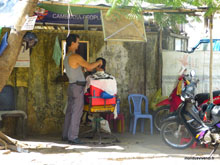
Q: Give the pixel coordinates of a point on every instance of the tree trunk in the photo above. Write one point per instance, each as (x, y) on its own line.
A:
(9, 56)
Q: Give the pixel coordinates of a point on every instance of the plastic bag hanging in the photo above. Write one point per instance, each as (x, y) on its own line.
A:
(4, 43)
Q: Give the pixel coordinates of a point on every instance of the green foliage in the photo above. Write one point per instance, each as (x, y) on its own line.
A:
(132, 13)
(169, 3)
(163, 19)
(170, 20)
(86, 2)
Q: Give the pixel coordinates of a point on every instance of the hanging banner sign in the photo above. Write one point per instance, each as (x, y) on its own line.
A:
(45, 16)
(29, 23)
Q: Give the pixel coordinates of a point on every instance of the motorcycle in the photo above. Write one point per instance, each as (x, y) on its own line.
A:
(186, 122)
(170, 105)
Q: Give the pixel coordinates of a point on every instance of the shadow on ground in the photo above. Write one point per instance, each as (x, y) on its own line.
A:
(130, 144)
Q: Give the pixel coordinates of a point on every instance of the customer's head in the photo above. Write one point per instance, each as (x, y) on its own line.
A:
(103, 63)
(72, 38)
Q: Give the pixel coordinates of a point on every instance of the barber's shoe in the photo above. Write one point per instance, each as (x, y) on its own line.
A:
(75, 141)
(64, 139)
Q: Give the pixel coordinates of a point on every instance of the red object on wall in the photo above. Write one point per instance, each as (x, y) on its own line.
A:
(95, 98)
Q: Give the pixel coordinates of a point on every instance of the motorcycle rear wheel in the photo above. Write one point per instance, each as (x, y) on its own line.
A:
(176, 135)
(159, 115)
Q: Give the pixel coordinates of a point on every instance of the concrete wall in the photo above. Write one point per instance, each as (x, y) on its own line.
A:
(135, 66)
(173, 41)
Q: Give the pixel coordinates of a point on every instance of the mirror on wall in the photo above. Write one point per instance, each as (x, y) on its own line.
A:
(82, 50)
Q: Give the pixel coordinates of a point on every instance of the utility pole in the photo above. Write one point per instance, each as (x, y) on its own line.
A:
(211, 58)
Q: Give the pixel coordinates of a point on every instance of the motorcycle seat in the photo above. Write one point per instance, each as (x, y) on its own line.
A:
(201, 97)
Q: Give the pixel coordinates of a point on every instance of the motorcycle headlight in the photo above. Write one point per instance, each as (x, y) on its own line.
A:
(189, 91)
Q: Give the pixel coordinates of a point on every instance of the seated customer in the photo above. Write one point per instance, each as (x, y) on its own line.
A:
(100, 71)
(107, 83)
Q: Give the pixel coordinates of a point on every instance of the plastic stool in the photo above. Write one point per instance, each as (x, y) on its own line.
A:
(193, 145)
(187, 140)
(120, 117)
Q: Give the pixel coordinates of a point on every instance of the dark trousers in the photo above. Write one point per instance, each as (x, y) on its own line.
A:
(74, 111)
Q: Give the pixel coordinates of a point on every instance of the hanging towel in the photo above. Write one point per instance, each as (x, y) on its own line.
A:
(4, 43)
(57, 53)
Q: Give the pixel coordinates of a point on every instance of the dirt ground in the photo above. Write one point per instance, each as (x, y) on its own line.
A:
(139, 148)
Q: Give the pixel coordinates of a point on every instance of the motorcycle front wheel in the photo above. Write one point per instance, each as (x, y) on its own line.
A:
(176, 135)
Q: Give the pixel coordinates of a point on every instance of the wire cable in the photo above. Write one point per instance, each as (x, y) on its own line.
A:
(69, 15)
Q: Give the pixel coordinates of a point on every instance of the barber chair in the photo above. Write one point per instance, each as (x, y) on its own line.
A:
(97, 103)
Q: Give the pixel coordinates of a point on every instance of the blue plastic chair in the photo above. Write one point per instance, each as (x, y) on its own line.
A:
(137, 100)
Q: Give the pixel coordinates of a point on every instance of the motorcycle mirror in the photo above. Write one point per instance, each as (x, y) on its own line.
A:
(192, 73)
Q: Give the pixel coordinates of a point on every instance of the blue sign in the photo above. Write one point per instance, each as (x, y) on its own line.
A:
(45, 16)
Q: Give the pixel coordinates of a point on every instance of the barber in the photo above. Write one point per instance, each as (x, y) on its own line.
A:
(73, 64)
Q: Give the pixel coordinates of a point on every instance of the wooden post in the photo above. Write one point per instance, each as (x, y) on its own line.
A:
(211, 58)
(9, 56)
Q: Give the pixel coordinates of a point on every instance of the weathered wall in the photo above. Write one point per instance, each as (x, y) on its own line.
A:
(135, 66)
